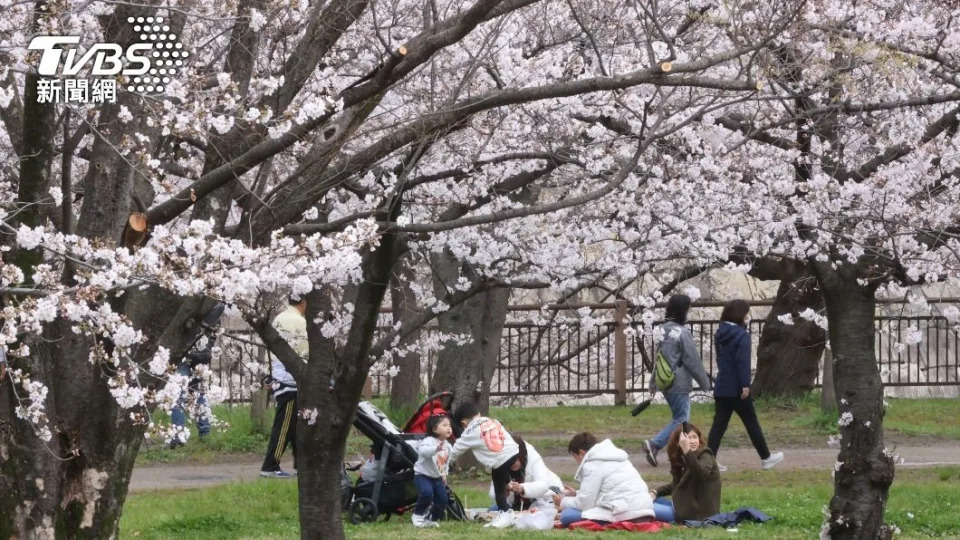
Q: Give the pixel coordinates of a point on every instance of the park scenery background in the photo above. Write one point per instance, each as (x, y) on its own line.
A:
(494, 198)
(211, 490)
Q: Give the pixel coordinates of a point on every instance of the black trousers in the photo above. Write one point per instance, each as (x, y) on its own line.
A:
(723, 409)
(501, 477)
(284, 431)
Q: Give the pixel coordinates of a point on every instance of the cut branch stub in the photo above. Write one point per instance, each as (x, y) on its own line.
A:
(666, 67)
(138, 221)
(135, 232)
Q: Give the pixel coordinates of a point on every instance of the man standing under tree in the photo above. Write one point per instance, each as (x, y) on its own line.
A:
(292, 326)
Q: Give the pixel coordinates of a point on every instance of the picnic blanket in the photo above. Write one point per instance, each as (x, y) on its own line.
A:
(646, 526)
(731, 519)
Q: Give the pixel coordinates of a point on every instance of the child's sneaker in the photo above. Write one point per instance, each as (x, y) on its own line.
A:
(771, 462)
(419, 521)
(430, 524)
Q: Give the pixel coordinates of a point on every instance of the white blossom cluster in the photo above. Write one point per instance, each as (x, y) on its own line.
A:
(698, 192)
(33, 411)
(197, 262)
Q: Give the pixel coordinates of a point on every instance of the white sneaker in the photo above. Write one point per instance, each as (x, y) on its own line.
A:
(771, 462)
(429, 524)
(419, 521)
(721, 468)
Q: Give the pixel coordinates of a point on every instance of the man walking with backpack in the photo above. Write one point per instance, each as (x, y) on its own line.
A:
(674, 372)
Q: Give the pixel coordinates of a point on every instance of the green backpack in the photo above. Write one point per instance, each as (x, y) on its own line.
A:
(663, 373)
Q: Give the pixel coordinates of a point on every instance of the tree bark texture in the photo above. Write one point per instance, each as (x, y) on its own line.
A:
(468, 369)
(864, 471)
(405, 387)
(75, 485)
(331, 385)
(788, 356)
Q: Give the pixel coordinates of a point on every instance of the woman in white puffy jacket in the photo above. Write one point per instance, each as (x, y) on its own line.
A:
(531, 480)
(611, 488)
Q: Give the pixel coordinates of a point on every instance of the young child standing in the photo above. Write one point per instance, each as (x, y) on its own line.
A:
(493, 447)
(430, 472)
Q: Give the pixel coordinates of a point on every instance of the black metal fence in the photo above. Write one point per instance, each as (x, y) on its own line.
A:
(567, 359)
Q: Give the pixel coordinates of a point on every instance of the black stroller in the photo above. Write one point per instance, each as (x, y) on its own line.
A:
(393, 491)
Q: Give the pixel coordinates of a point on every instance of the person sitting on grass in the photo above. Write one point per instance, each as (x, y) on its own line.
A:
(531, 481)
(491, 445)
(430, 472)
(696, 479)
(611, 488)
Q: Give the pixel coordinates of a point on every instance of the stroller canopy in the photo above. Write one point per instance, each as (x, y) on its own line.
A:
(377, 427)
(435, 404)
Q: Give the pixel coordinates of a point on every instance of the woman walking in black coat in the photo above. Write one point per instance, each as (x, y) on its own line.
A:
(731, 390)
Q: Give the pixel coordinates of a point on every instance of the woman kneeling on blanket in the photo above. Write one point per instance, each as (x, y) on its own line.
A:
(696, 479)
(611, 489)
(531, 481)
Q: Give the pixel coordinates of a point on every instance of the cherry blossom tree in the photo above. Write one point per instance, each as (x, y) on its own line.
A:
(849, 164)
(304, 148)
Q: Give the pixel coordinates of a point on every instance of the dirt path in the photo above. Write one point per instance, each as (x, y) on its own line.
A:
(189, 476)
(745, 459)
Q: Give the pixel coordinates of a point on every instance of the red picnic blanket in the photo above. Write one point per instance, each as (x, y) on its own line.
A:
(647, 526)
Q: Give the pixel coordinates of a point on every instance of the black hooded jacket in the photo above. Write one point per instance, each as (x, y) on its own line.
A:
(732, 344)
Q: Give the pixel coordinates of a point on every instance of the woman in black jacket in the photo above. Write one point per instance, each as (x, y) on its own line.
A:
(731, 390)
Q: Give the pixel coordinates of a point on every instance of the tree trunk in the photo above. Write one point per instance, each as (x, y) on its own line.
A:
(73, 486)
(828, 394)
(467, 370)
(864, 471)
(330, 388)
(788, 356)
(405, 387)
(260, 400)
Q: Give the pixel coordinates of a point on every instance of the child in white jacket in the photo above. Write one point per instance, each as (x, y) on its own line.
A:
(430, 472)
(531, 480)
(490, 443)
(611, 488)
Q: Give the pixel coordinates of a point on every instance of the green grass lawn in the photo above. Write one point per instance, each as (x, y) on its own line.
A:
(238, 437)
(924, 503)
(786, 423)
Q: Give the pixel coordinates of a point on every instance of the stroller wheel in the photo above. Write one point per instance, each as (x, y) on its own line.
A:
(363, 511)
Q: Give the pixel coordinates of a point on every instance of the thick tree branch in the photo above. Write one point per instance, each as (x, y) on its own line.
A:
(277, 346)
(947, 121)
(324, 28)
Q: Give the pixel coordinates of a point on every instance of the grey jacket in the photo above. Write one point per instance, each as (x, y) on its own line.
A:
(676, 345)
